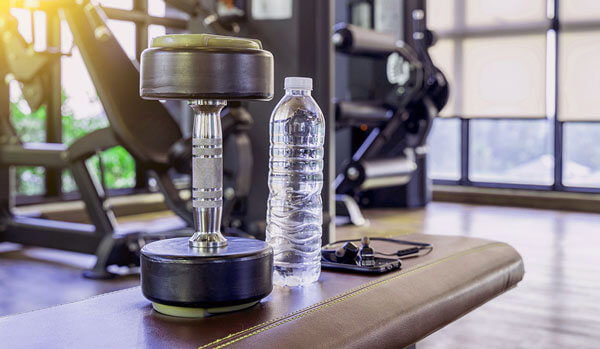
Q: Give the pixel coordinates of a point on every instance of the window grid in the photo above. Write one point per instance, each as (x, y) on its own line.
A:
(553, 28)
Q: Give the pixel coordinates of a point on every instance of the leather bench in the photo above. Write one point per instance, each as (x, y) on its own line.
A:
(341, 310)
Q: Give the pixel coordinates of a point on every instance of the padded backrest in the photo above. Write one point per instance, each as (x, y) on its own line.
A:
(144, 127)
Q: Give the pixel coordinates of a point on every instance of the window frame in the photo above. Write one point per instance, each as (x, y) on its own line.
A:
(553, 23)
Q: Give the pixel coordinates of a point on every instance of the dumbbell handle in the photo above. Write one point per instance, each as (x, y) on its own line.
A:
(207, 174)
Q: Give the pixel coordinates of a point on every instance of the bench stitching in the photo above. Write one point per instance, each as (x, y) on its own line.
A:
(346, 295)
(303, 309)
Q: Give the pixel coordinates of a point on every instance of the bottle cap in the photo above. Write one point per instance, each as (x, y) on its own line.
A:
(297, 83)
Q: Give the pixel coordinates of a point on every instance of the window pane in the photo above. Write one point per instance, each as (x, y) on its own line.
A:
(504, 77)
(122, 4)
(82, 113)
(573, 10)
(125, 34)
(440, 14)
(24, 22)
(442, 54)
(156, 8)
(579, 75)
(581, 166)
(511, 151)
(30, 126)
(494, 12)
(30, 180)
(39, 19)
(443, 161)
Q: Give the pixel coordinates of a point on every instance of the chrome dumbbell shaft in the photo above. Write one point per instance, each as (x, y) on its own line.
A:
(207, 174)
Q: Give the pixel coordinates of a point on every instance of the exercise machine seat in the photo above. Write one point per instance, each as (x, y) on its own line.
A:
(340, 311)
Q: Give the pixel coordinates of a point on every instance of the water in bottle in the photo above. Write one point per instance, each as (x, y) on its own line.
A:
(295, 207)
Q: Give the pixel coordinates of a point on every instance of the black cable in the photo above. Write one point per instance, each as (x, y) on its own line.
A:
(403, 253)
(396, 241)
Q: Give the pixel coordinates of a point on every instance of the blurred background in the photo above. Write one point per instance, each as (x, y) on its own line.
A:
(523, 115)
(521, 129)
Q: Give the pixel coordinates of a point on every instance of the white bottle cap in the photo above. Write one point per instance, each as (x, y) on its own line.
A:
(292, 83)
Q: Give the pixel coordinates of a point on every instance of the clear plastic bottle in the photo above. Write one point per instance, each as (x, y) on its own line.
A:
(295, 208)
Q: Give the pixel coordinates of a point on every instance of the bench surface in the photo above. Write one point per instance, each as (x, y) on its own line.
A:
(341, 310)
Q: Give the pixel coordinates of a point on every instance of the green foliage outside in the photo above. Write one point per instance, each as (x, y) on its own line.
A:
(119, 166)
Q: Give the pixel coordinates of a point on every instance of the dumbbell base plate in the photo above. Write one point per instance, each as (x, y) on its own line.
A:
(198, 312)
(175, 274)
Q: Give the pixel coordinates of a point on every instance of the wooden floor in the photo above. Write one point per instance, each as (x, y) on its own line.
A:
(557, 305)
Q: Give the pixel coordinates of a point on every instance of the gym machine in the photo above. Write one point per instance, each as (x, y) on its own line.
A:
(298, 34)
(206, 273)
(144, 128)
(387, 167)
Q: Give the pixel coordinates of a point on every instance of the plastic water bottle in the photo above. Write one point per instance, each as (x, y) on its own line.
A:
(295, 208)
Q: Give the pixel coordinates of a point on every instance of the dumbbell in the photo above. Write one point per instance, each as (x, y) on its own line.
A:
(207, 273)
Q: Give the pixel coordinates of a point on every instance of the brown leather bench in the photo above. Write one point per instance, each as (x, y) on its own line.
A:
(342, 310)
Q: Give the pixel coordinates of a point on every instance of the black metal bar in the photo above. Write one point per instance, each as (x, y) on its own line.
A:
(52, 234)
(23, 200)
(141, 43)
(92, 193)
(464, 151)
(172, 198)
(88, 145)
(558, 125)
(141, 28)
(49, 155)
(316, 51)
(54, 102)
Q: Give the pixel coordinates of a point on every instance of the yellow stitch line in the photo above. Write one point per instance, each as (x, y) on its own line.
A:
(299, 310)
(348, 295)
(295, 312)
(290, 314)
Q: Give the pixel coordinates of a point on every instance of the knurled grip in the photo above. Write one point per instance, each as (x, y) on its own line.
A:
(207, 174)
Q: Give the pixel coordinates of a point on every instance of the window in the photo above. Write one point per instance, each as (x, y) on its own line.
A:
(156, 8)
(501, 58)
(504, 76)
(440, 14)
(29, 124)
(581, 165)
(494, 12)
(445, 134)
(511, 151)
(81, 110)
(579, 76)
(125, 34)
(579, 10)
